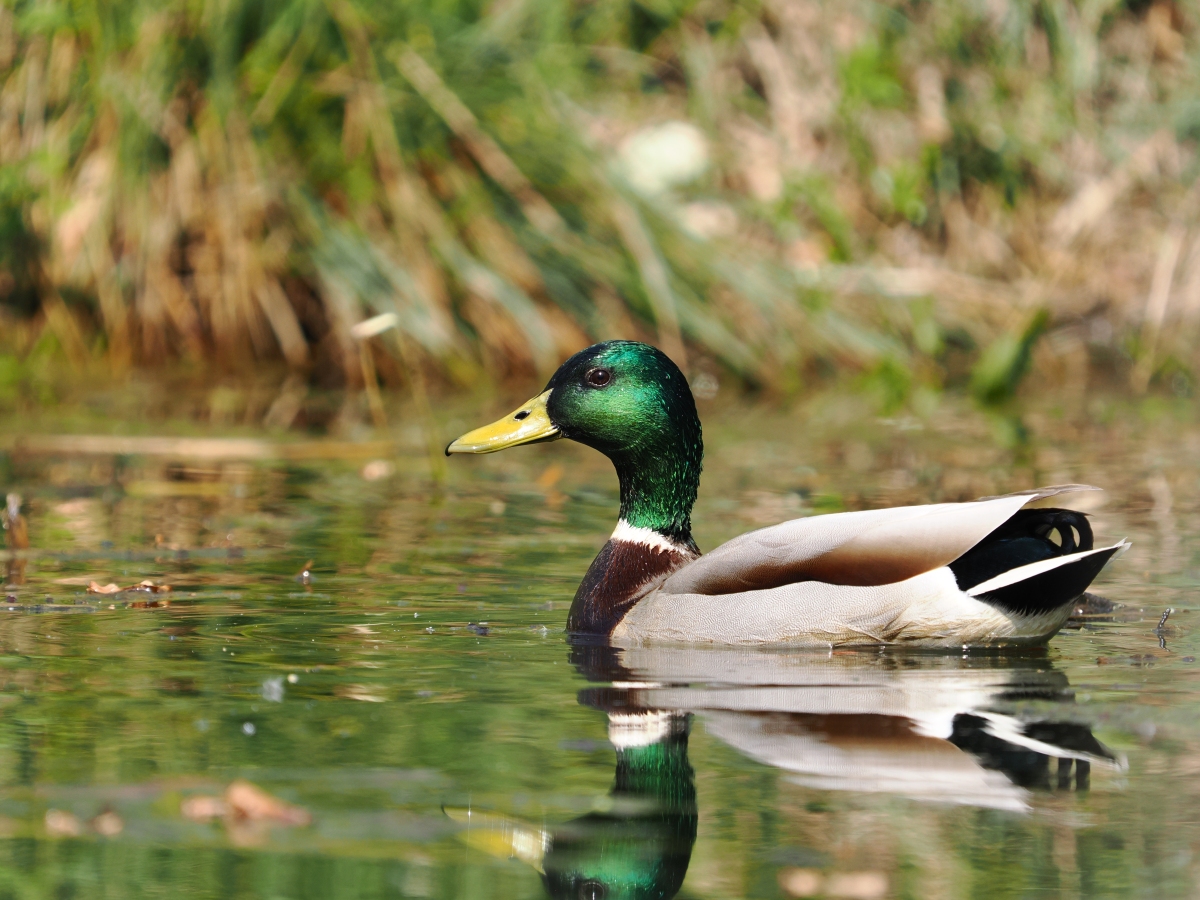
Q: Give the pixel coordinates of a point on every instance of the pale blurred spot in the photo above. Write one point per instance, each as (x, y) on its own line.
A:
(760, 162)
(857, 885)
(800, 882)
(248, 801)
(377, 469)
(1161, 25)
(245, 802)
(359, 692)
(375, 325)
(108, 824)
(707, 219)
(272, 690)
(548, 482)
(705, 386)
(60, 823)
(496, 507)
(550, 476)
(91, 188)
(203, 808)
(86, 519)
(807, 253)
(660, 157)
(932, 125)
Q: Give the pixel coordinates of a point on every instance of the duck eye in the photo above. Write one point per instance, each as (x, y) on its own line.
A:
(598, 377)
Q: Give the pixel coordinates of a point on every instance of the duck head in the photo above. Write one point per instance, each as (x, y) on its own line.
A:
(630, 402)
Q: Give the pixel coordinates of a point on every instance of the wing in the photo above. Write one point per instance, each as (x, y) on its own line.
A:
(868, 548)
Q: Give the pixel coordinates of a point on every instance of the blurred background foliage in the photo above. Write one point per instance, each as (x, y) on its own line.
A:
(923, 193)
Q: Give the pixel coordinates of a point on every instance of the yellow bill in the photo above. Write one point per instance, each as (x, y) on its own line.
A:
(501, 836)
(526, 424)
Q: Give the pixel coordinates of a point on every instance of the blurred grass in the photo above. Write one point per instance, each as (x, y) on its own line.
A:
(769, 191)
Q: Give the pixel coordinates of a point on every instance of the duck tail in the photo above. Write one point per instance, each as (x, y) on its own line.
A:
(1047, 584)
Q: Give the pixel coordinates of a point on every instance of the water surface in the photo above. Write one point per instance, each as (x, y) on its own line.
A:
(420, 671)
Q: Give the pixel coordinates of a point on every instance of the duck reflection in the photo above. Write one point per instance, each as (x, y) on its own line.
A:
(637, 843)
(930, 728)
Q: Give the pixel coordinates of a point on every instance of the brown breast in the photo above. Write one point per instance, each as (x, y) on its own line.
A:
(620, 575)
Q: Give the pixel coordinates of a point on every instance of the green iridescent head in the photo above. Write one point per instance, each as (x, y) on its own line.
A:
(630, 402)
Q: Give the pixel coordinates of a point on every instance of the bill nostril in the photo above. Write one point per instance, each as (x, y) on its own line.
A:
(523, 414)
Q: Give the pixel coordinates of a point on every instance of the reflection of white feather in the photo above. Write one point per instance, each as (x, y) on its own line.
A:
(855, 721)
(1011, 730)
(919, 768)
(639, 729)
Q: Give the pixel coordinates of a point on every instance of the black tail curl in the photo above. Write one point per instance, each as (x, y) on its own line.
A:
(1023, 539)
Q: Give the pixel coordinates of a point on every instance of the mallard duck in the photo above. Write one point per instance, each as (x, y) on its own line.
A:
(947, 574)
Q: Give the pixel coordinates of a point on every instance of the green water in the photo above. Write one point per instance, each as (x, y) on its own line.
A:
(425, 667)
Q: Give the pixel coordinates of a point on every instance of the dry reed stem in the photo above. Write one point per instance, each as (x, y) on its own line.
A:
(486, 151)
(1096, 198)
(1156, 305)
(371, 386)
(786, 100)
(654, 276)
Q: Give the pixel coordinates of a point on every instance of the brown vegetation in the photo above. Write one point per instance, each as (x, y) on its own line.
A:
(364, 191)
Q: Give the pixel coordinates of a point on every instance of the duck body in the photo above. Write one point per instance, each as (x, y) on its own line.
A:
(1002, 570)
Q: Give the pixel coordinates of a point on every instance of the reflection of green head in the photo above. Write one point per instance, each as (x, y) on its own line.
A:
(640, 846)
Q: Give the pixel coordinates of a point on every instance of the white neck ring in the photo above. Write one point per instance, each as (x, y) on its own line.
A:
(647, 537)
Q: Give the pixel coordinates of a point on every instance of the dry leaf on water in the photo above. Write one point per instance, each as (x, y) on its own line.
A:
(150, 587)
(846, 885)
(108, 824)
(203, 808)
(60, 823)
(142, 587)
(377, 469)
(247, 802)
(359, 692)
